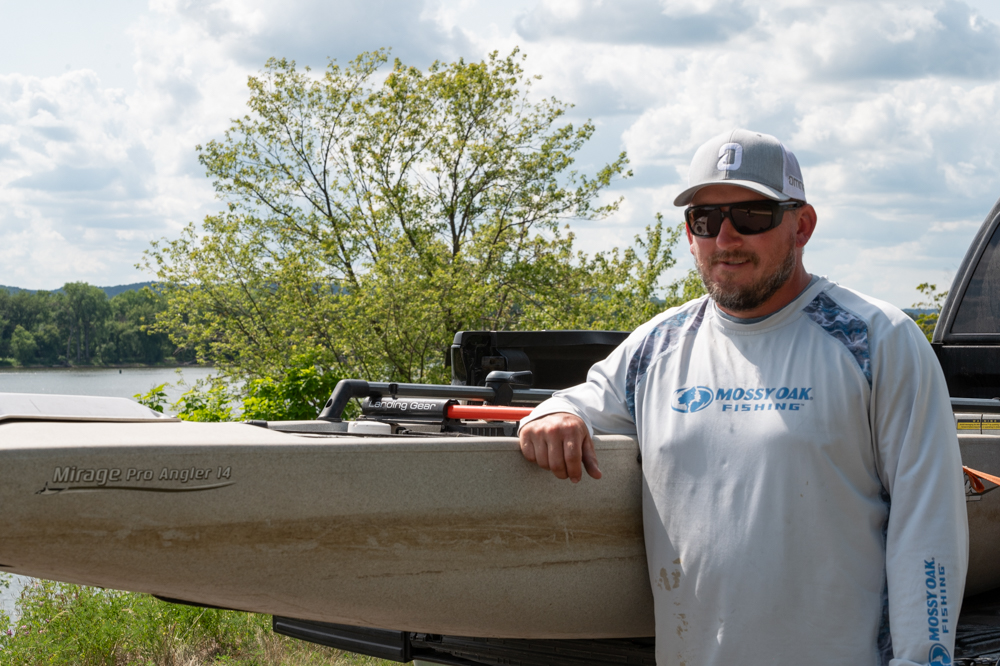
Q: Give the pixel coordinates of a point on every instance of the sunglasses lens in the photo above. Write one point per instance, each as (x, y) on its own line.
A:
(751, 219)
(704, 221)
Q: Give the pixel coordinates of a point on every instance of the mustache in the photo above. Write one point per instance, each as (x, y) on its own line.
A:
(730, 256)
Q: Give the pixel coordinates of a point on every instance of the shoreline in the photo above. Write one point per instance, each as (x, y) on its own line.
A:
(122, 382)
(110, 366)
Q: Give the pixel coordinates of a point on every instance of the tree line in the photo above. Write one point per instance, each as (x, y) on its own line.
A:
(80, 325)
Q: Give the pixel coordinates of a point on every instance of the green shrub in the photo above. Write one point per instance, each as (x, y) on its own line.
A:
(61, 624)
(205, 404)
(299, 395)
(155, 398)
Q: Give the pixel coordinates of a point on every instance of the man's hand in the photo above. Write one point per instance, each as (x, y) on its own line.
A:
(560, 442)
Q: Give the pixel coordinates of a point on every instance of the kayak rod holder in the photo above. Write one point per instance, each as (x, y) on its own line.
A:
(347, 389)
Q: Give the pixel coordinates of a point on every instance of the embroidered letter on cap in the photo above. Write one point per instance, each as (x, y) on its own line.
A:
(730, 157)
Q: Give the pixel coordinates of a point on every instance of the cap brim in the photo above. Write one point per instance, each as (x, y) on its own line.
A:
(684, 198)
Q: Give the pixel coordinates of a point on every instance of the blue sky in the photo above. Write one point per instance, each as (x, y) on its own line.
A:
(891, 108)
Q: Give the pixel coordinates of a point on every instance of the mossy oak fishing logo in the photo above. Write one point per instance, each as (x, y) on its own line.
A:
(741, 399)
(73, 479)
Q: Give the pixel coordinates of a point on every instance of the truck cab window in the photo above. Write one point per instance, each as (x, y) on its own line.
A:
(979, 311)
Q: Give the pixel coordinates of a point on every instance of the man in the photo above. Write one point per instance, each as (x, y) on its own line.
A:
(803, 497)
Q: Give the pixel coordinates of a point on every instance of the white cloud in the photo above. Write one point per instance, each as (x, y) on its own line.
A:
(658, 22)
(862, 40)
(311, 31)
(65, 174)
(890, 107)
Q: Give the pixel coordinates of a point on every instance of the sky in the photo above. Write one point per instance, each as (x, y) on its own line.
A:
(891, 108)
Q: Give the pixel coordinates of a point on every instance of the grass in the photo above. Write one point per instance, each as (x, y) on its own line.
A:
(61, 624)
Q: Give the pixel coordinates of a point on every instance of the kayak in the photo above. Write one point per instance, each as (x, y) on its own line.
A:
(437, 533)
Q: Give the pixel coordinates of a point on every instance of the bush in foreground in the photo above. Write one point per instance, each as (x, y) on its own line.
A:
(71, 624)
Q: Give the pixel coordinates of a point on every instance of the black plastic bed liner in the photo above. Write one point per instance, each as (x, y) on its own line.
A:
(401, 646)
(977, 643)
(978, 632)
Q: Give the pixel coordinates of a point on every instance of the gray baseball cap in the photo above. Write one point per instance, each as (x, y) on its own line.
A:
(756, 161)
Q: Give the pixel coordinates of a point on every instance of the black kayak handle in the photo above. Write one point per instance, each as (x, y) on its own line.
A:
(346, 389)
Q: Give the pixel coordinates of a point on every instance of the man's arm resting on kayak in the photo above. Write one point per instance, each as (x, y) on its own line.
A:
(560, 442)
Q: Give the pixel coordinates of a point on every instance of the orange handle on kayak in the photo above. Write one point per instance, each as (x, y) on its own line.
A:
(976, 479)
(487, 412)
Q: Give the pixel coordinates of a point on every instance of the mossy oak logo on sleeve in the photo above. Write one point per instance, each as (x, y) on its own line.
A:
(73, 479)
(939, 616)
(939, 656)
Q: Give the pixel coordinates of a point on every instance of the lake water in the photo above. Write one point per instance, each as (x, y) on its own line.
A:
(112, 382)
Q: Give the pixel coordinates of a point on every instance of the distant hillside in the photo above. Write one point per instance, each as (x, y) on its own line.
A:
(135, 286)
(110, 291)
(15, 290)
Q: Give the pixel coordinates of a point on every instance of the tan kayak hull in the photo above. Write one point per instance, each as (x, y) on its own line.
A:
(982, 452)
(440, 535)
(450, 535)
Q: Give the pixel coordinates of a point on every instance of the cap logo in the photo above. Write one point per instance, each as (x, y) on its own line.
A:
(730, 157)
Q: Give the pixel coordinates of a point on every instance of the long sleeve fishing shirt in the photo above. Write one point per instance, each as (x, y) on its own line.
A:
(803, 499)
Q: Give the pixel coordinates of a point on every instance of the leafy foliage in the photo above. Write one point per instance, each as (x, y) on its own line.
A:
(22, 345)
(618, 290)
(62, 624)
(932, 299)
(155, 398)
(86, 306)
(206, 401)
(366, 222)
(299, 395)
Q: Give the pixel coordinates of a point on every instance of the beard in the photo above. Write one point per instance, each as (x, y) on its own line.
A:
(751, 296)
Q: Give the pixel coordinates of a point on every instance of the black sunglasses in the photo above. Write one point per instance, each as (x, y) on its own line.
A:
(747, 217)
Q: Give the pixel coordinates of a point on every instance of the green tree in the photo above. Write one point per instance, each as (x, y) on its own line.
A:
(618, 290)
(23, 346)
(125, 331)
(932, 300)
(35, 313)
(87, 306)
(49, 340)
(367, 221)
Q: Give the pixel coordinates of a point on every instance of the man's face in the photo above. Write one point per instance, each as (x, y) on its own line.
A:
(742, 272)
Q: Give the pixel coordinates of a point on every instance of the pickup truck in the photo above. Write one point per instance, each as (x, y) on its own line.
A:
(965, 340)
